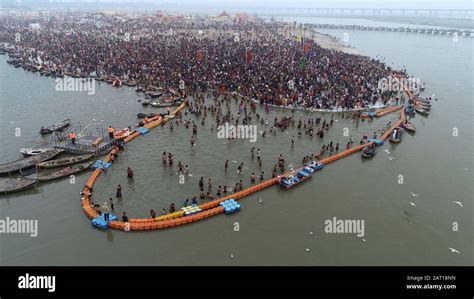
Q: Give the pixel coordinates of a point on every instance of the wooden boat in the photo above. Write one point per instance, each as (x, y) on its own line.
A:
(59, 127)
(130, 82)
(396, 137)
(146, 102)
(316, 165)
(117, 83)
(26, 152)
(368, 152)
(122, 134)
(422, 100)
(28, 162)
(48, 176)
(8, 185)
(422, 104)
(423, 107)
(65, 161)
(153, 94)
(161, 104)
(421, 110)
(296, 177)
(143, 115)
(168, 103)
(409, 127)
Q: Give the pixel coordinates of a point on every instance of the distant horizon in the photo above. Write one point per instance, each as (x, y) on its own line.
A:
(216, 4)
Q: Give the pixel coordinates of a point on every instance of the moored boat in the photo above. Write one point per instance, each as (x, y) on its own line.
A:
(396, 135)
(59, 127)
(296, 177)
(421, 110)
(117, 83)
(369, 152)
(316, 165)
(8, 185)
(65, 161)
(28, 162)
(122, 134)
(130, 82)
(48, 176)
(143, 115)
(423, 107)
(167, 103)
(26, 152)
(422, 100)
(418, 103)
(153, 94)
(409, 127)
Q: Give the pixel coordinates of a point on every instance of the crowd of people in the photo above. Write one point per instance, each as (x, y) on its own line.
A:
(264, 61)
(260, 61)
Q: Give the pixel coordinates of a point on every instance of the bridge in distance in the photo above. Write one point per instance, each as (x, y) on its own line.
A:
(307, 11)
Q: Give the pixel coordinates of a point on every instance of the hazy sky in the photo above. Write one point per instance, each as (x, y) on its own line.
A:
(455, 4)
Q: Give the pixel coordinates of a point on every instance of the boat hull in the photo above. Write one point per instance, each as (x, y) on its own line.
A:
(64, 172)
(65, 161)
(8, 185)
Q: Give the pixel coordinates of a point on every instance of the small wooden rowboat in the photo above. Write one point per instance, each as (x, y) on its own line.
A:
(59, 127)
(26, 152)
(297, 177)
(8, 185)
(119, 135)
(117, 83)
(421, 111)
(63, 172)
(409, 127)
(422, 104)
(398, 136)
(65, 161)
(422, 100)
(28, 162)
(368, 152)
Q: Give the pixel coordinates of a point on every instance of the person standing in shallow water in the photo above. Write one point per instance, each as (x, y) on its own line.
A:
(106, 211)
(118, 194)
(130, 173)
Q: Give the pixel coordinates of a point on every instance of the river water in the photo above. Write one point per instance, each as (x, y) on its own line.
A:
(435, 165)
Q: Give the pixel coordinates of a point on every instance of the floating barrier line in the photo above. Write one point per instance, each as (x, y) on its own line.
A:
(211, 208)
